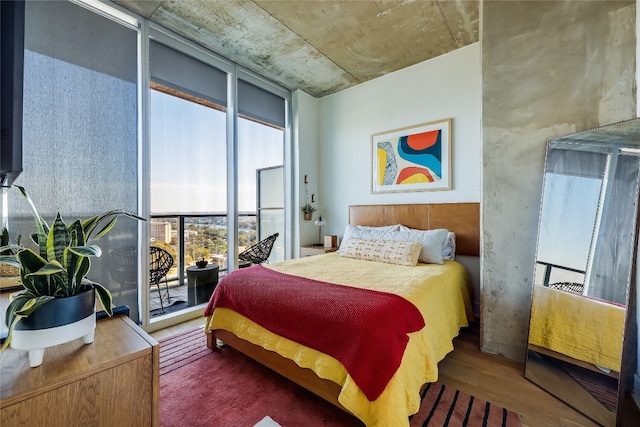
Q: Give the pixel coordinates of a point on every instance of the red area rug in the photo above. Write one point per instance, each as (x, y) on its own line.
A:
(199, 387)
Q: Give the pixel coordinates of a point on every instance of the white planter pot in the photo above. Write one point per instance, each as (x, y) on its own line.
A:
(56, 322)
(35, 341)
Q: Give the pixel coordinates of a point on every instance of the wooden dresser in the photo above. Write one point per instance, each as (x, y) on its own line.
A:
(112, 382)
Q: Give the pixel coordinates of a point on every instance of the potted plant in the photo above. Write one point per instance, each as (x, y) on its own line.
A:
(49, 309)
(308, 209)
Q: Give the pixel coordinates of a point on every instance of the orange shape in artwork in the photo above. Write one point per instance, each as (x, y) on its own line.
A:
(414, 175)
(420, 141)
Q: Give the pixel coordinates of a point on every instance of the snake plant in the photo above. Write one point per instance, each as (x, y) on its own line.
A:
(59, 267)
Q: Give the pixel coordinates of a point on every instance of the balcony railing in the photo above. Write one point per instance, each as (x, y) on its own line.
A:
(549, 268)
(192, 237)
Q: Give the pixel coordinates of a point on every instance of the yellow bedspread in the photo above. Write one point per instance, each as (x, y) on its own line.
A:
(559, 322)
(440, 292)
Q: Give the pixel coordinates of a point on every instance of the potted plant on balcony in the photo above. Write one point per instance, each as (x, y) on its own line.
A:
(308, 209)
(57, 302)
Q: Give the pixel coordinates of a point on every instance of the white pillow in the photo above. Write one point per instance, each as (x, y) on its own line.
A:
(448, 247)
(388, 251)
(367, 232)
(432, 241)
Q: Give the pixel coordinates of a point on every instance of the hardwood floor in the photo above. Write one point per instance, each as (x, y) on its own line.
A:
(495, 379)
(501, 381)
(162, 333)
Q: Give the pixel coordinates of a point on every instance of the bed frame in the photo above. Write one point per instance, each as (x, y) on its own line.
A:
(461, 218)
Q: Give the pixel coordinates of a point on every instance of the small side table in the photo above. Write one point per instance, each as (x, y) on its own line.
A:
(315, 250)
(201, 283)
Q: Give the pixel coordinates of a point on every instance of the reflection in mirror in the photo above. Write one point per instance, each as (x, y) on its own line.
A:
(583, 269)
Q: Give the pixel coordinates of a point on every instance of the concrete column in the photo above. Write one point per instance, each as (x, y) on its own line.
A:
(549, 68)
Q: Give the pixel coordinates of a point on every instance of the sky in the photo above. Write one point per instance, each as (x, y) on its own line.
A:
(569, 208)
(188, 157)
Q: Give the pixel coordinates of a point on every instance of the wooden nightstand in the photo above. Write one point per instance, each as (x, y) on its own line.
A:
(315, 250)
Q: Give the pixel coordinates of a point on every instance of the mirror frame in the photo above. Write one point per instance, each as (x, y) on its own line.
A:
(617, 137)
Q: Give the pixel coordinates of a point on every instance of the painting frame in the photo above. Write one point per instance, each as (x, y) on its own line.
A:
(412, 158)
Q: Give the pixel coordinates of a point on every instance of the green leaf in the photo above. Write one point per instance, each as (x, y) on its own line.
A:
(50, 268)
(17, 302)
(106, 228)
(89, 225)
(77, 233)
(58, 239)
(57, 284)
(31, 261)
(11, 318)
(86, 251)
(105, 298)
(32, 305)
(41, 225)
(36, 285)
(82, 268)
(22, 305)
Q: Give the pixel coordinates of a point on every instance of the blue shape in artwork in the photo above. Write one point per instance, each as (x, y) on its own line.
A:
(430, 157)
(426, 160)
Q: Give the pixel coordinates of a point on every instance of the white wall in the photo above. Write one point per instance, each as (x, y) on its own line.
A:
(305, 150)
(448, 86)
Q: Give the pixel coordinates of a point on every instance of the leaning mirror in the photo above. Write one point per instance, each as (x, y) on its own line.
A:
(584, 268)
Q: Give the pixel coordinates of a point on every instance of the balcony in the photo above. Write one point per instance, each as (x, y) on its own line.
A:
(190, 238)
(560, 277)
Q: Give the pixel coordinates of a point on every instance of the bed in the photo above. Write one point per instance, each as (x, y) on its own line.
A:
(440, 294)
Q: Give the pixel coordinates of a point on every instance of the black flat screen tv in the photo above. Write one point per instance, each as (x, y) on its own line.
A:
(11, 88)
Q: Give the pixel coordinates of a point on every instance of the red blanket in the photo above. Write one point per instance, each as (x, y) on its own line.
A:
(365, 330)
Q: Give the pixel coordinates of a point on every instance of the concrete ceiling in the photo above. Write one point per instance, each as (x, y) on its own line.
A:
(320, 47)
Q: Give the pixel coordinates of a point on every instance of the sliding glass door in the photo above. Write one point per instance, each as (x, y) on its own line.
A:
(188, 174)
(191, 141)
(188, 190)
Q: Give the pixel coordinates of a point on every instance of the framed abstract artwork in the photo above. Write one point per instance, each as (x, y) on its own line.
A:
(414, 158)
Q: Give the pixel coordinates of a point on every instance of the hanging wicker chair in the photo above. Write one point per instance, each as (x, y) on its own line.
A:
(258, 253)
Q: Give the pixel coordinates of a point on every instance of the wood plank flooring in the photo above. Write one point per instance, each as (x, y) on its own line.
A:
(498, 380)
(501, 381)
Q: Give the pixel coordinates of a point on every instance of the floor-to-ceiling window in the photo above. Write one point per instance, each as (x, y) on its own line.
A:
(260, 147)
(261, 126)
(80, 145)
(188, 173)
(201, 202)
(88, 147)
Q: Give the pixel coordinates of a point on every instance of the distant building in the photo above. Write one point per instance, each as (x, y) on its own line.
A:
(161, 231)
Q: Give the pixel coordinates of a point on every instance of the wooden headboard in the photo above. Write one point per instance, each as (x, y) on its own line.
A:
(461, 218)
